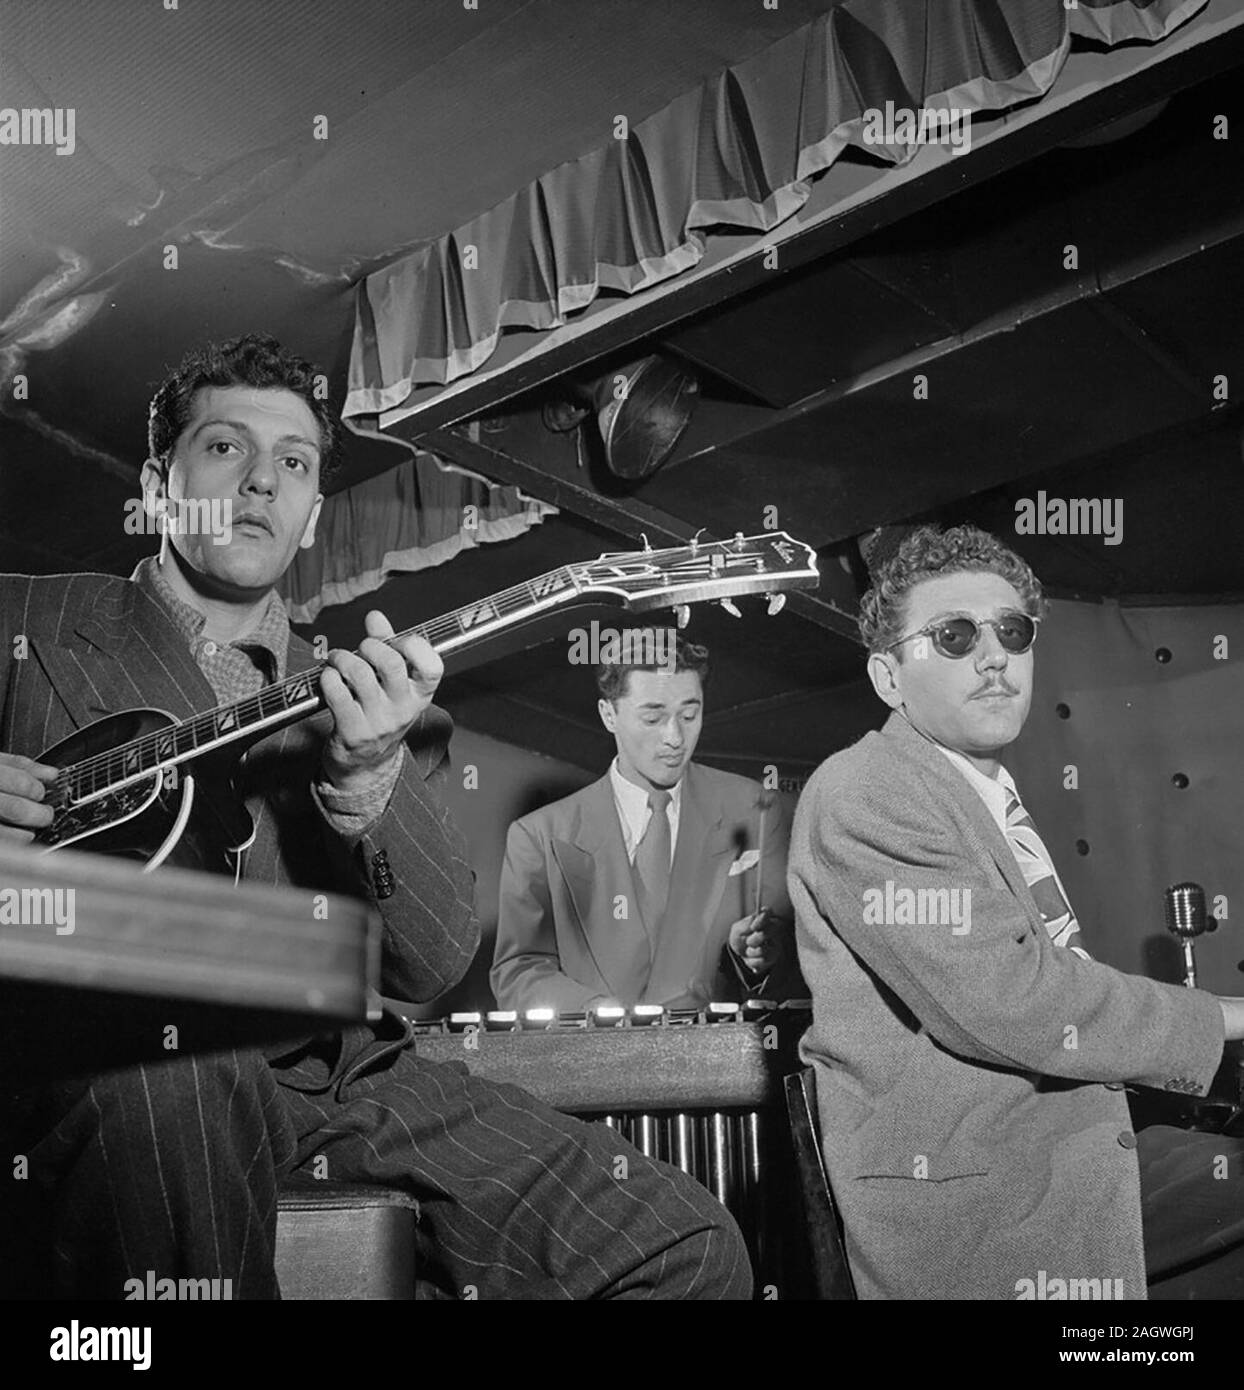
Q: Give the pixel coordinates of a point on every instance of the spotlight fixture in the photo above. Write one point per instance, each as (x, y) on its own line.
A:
(641, 411)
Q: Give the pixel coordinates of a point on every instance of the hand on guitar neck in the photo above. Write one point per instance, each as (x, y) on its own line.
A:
(143, 783)
(375, 696)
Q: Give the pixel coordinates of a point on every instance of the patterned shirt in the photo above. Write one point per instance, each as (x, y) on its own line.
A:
(234, 669)
(244, 666)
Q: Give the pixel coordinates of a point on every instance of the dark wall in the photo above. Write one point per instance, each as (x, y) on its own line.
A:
(1143, 710)
(491, 784)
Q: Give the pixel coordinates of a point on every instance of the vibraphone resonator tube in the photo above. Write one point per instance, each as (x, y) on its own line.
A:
(699, 1089)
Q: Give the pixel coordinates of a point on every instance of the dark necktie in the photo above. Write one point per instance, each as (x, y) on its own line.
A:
(652, 861)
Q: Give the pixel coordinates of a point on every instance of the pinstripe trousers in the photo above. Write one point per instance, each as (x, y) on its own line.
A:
(173, 1167)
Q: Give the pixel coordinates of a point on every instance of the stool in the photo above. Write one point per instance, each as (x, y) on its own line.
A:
(345, 1241)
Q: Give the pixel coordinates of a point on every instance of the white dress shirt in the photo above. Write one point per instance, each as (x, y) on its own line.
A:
(634, 813)
(991, 790)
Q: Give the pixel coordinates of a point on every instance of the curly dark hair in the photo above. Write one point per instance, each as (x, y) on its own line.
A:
(255, 360)
(612, 677)
(927, 553)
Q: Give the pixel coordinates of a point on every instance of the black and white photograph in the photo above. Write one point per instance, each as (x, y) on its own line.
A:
(621, 647)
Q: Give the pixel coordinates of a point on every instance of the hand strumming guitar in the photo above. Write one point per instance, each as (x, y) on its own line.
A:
(23, 784)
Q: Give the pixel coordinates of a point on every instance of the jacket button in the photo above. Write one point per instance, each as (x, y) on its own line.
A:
(1127, 1139)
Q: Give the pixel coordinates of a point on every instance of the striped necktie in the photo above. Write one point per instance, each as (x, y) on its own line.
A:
(1041, 877)
(652, 861)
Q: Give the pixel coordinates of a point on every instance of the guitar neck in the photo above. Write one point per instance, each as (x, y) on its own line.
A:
(694, 573)
(297, 696)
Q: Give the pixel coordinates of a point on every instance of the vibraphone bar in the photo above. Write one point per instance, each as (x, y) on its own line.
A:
(701, 1089)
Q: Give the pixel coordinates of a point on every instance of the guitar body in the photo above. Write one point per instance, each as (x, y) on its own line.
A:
(187, 815)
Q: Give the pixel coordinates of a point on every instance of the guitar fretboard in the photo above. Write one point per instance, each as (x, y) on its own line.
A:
(682, 574)
(296, 696)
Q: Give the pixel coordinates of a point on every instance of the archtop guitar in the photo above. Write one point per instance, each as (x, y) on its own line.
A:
(143, 784)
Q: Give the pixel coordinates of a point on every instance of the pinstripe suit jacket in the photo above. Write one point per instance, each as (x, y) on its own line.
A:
(76, 647)
(975, 1130)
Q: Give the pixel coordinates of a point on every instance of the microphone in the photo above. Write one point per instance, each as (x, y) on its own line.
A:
(1186, 918)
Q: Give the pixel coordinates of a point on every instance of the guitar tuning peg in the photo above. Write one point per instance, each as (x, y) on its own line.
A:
(776, 603)
(647, 544)
(682, 615)
(730, 607)
(738, 540)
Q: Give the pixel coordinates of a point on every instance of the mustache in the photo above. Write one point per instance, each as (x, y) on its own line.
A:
(999, 687)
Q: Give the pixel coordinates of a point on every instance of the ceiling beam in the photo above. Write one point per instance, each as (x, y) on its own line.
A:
(753, 424)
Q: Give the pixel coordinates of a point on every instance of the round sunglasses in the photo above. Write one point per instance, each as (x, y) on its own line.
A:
(957, 637)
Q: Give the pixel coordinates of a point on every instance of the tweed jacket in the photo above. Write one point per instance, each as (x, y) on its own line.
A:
(969, 1081)
(560, 939)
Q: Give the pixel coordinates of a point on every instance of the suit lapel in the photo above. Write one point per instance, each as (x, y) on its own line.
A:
(596, 872)
(990, 840)
(98, 663)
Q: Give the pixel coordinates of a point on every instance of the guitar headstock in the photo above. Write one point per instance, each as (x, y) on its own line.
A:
(701, 571)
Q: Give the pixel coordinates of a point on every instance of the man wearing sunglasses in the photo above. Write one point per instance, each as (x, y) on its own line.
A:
(970, 1056)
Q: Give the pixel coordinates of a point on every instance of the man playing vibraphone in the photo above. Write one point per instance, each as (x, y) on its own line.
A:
(970, 1056)
(171, 1169)
(651, 885)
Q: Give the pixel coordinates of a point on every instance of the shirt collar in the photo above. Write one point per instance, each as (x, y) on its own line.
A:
(270, 634)
(633, 799)
(991, 790)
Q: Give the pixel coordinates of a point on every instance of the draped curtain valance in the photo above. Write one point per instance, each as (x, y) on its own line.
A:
(740, 151)
(420, 514)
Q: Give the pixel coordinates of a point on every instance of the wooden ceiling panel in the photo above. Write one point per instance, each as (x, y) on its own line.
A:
(819, 326)
(1059, 388)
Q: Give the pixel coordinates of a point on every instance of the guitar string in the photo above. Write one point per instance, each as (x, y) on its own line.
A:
(446, 626)
(265, 703)
(443, 626)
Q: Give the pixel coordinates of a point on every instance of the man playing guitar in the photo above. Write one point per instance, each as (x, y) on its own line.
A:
(172, 1167)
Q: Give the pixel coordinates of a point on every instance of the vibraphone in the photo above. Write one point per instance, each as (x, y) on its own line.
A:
(700, 1089)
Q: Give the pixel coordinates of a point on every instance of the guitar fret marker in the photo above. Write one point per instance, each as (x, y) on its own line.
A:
(473, 617)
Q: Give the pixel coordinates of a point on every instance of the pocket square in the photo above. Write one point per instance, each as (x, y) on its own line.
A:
(747, 860)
